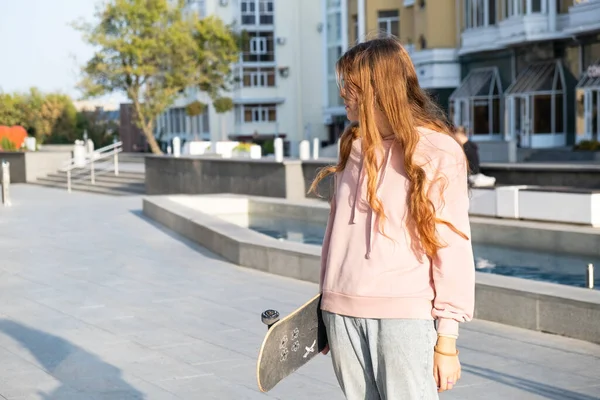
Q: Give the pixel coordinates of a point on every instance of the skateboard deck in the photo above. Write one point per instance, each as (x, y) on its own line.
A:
(290, 343)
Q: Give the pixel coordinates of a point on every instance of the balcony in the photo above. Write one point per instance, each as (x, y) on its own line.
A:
(479, 39)
(437, 68)
(584, 16)
(514, 30)
(531, 27)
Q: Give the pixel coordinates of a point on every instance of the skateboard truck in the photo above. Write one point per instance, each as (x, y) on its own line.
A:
(269, 317)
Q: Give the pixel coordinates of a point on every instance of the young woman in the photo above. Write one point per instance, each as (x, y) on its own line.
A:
(397, 255)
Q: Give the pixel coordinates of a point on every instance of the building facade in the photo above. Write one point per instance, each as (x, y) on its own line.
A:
(426, 29)
(530, 71)
(278, 70)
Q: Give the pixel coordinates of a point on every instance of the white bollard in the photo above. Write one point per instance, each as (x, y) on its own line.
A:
(5, 183)
(278, 144)
(590, 277)
(176, 146)
(255, 152)
(79, 152)
(89, 147)
(338, 148)
(169, 149)
(304, 150)
(30, 143)
(316, 147)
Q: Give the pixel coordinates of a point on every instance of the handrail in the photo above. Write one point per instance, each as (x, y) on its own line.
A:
(89, 159)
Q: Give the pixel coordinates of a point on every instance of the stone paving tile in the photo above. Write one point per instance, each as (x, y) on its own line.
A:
(98, 302)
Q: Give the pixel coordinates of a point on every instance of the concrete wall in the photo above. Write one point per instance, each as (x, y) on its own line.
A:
(204, 175)
(570, 175)
(29, 166)
(198, 175)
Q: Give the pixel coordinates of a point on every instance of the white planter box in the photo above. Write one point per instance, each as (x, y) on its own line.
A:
(225, 149)
(483, 202)
(507, 201)
(576, 208)
(196, 148)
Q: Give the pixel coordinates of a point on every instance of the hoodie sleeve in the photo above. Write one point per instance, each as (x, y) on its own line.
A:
(453, 268)
(327, 239)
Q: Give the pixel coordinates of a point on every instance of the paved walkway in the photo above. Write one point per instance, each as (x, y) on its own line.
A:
(98, 303)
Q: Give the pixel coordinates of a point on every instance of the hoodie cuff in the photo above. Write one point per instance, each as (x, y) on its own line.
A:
(447, 326)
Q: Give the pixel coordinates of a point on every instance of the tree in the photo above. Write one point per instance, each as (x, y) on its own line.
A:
(11, 109)
(42, 115)
(152, 51)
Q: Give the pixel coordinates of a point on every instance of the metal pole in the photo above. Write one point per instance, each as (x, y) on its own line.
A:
(116, 162)
(92, 172)
(590, 276)
(5, 183)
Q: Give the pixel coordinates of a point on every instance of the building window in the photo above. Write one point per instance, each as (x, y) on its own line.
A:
(260, 11)
(480, 13)
(389, 22)
(334, 27)
(248, 12)
(259, 113)
(200, 6)
(258, 77)
(259, 47)
(491, 5)
(476, 103)
(265, 11)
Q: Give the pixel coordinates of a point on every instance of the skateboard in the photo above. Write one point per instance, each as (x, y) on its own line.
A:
(290, 343)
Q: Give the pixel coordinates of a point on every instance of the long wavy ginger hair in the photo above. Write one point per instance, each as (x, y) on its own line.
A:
(379, 73)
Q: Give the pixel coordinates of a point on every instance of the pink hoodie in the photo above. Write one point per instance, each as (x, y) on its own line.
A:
(365, 274)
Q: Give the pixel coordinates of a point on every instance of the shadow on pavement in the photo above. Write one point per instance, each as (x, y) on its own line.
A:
(527, 385)
(76, 369)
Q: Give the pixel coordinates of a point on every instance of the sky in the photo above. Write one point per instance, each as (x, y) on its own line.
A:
(39, 48)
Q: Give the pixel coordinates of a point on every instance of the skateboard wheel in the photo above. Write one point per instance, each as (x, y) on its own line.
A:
(269, 317)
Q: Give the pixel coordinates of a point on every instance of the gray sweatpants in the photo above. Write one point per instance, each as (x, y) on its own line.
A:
(382, 359)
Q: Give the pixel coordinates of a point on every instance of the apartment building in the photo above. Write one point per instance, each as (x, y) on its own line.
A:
(278, 70)
(530, 71)
(427, 29)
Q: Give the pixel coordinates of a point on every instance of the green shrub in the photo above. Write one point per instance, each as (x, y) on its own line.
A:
(243, 147)
(588, 145)
(268, 147)
(7, 145)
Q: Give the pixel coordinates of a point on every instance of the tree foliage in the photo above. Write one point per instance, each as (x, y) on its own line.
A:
(152, 51)
(42, 115)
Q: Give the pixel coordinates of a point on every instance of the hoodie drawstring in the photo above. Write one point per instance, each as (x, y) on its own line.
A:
(357, 196)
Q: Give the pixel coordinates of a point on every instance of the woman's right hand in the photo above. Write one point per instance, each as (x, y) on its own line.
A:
(325, 350)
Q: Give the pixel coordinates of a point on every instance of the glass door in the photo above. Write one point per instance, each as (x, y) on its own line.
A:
(520, 107)
(525, 121)
(463, 113)
(592, 113)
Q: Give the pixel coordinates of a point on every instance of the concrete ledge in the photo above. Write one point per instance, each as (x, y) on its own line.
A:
(547, 307)
(236, 244)
(544, 174)
(29, 166)
(539, 236)
(540, 306)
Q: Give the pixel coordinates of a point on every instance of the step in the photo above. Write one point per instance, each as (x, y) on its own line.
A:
(138, 187)
(98, 178)
(124, 174)
(90, 189)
